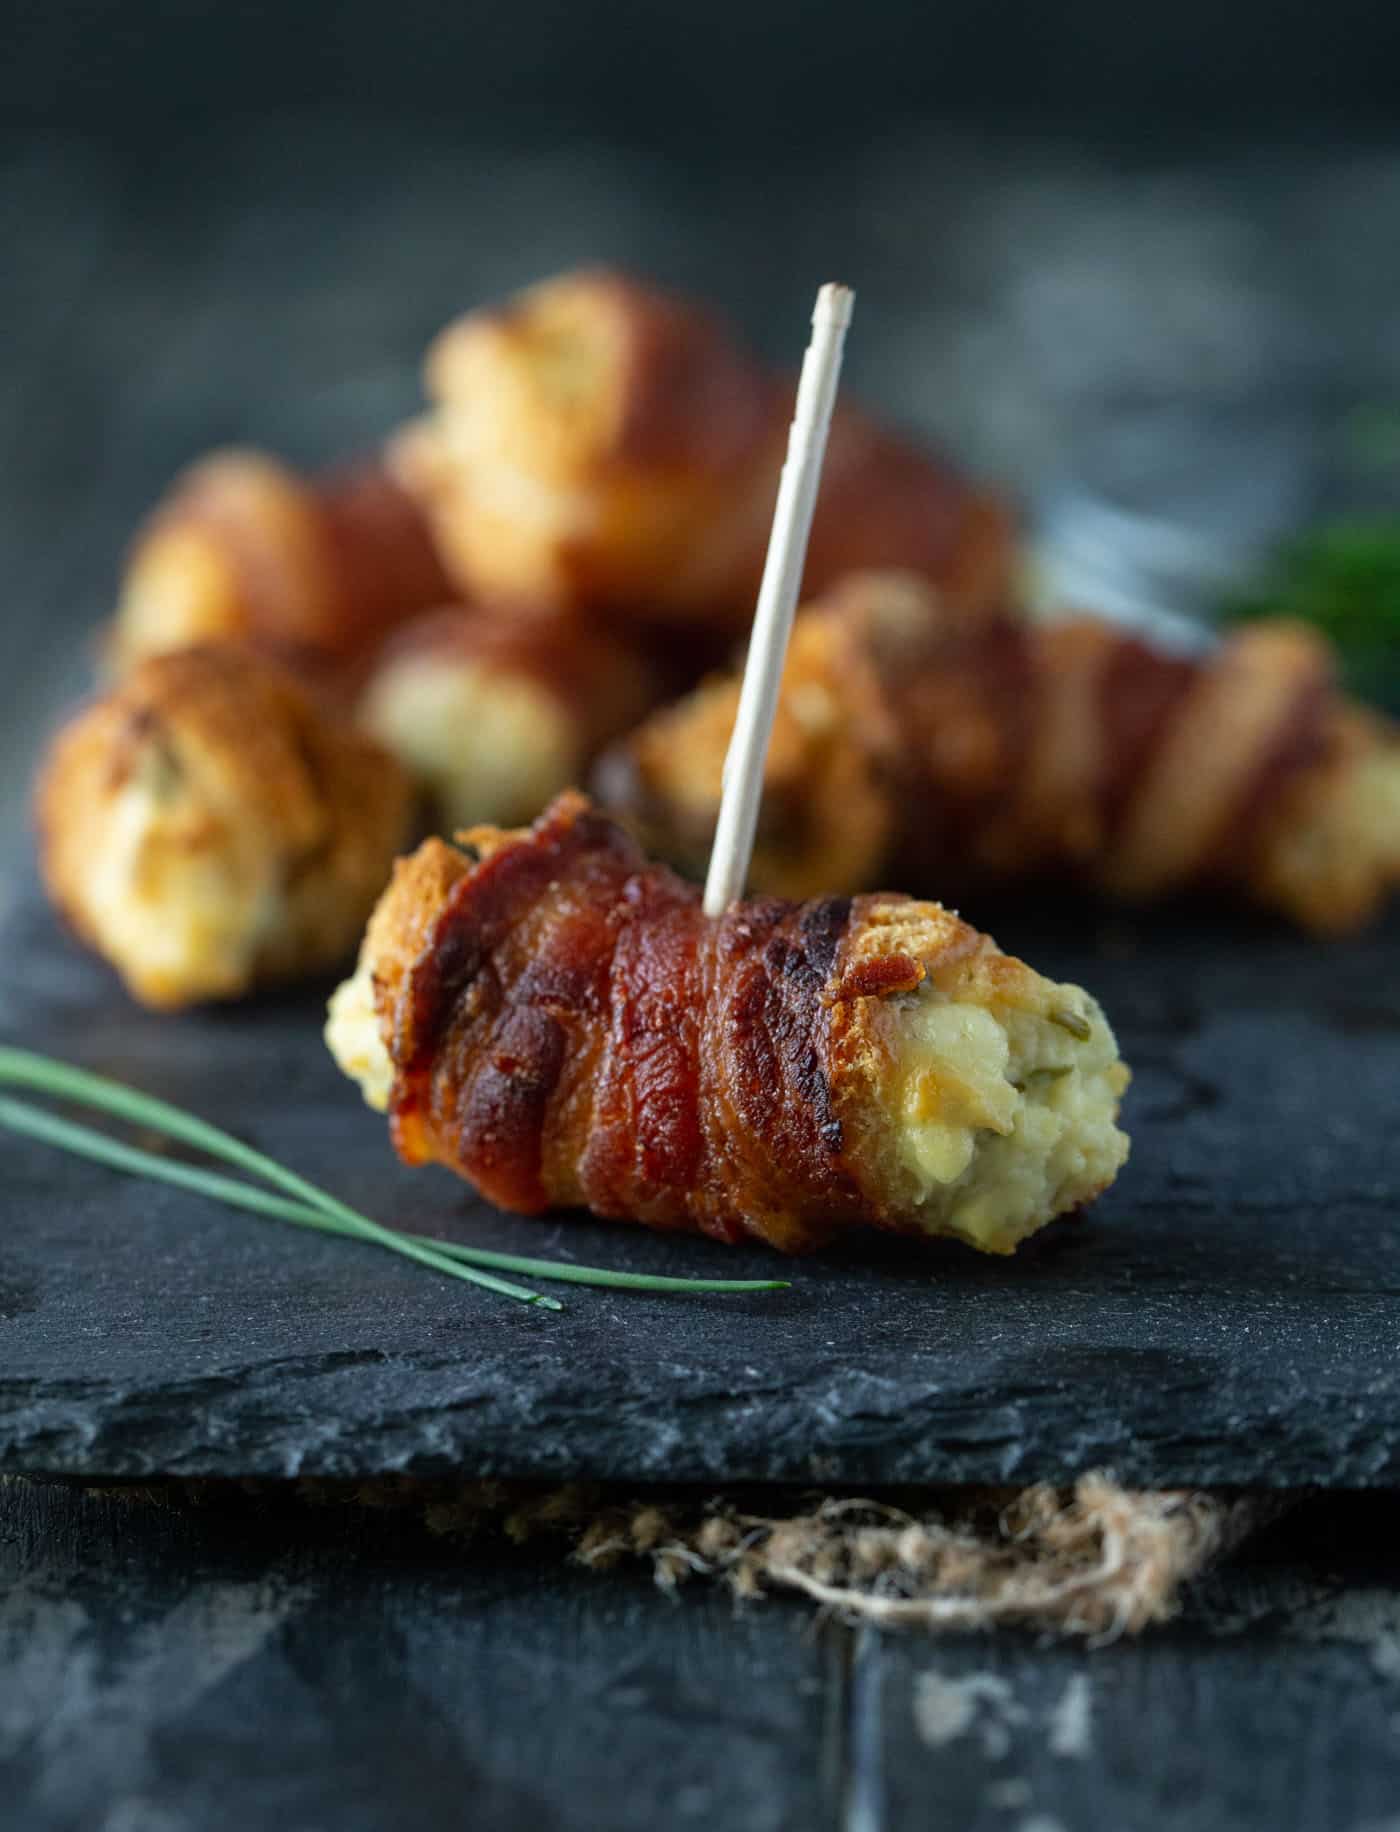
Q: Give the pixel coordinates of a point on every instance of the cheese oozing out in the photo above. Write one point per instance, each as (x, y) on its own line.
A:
(996, 1112)
(489, 745)
(354, 1038)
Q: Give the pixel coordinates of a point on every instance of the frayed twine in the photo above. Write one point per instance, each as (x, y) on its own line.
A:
(1099, 1561)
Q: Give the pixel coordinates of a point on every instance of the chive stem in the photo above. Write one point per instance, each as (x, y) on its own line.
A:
(314, 1207)
(569, 1274)
(85, 1142)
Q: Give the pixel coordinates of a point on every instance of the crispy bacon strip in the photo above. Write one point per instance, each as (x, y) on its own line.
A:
(315, 570)
(557, 1021)
(599, 445)
(975, 751)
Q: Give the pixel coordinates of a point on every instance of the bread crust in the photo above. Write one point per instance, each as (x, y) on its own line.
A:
(313, 570)
(597, 444)
(207, 826)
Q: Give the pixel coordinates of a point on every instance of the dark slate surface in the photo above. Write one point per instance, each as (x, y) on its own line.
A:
(1177, 343)
(251, 1661)
(1230, 1313)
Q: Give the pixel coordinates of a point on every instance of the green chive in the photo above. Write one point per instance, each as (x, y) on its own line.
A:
(25, 1069)
(38, 1123)
(597, 1275)
(315, 1210)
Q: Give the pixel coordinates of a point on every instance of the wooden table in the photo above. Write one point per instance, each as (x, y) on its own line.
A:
(248, 1660)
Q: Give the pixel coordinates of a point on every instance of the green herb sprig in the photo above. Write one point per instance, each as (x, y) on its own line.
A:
(301, 1203)
(1343, 577)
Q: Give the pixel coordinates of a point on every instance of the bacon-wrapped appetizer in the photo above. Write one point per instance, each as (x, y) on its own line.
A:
(601, 446)
(988, 750)
(494, 715)
(315, 570)
(556, 1019)
(205, 827)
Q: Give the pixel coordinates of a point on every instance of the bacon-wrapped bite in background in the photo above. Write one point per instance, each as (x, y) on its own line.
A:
(556, 1019)
(316, 570)
(598, 445)
(979, 751)
(206, 827)
(494, 715)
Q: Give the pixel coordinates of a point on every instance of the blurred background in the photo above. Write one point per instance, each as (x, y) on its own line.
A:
(1139, 265)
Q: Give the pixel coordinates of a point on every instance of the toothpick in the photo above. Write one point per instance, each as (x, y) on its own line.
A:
(777, 600)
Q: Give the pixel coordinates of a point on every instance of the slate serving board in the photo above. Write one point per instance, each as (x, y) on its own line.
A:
(1229, 1313)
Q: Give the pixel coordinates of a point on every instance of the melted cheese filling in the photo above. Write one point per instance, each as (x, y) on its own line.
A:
(490, 746)
(998, 1119)
(353, 1039)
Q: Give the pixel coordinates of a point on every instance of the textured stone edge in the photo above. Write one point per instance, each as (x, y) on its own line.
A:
(258, 1423)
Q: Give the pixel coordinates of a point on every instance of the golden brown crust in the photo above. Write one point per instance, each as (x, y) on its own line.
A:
(401, 926)
(976, 750)
(1328, 843)
(206, 826)
(313, 570)
(600, 445)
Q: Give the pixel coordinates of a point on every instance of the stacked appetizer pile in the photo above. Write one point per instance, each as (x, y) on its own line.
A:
(543, 583)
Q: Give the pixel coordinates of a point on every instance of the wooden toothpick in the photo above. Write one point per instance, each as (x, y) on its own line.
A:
(777, 600)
